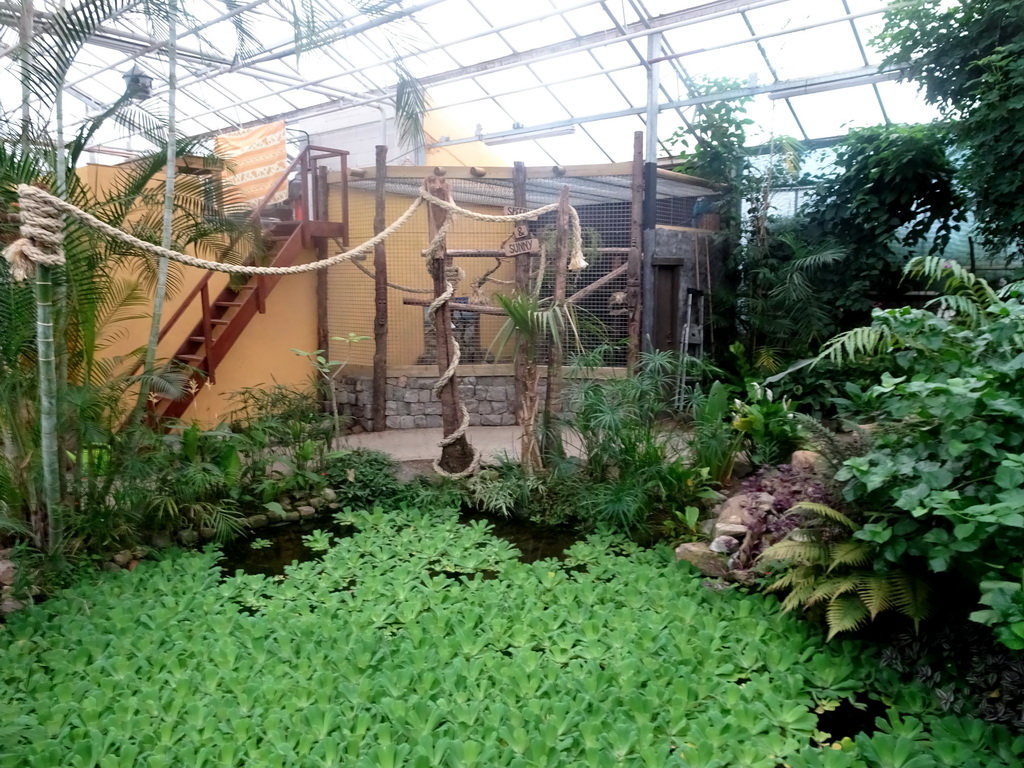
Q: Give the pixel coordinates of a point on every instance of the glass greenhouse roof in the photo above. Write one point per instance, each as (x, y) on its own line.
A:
(575, 70)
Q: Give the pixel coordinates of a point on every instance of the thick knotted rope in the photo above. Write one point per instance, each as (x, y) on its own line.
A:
(42, 239)
(42, 235)
(453, 276)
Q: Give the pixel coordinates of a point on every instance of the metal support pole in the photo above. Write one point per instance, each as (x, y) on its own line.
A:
(650, 192)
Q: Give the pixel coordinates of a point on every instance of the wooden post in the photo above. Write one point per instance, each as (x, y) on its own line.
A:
(633, 269)
(522, 286)
(320, 246)
(457, 456)
(551, 439)
(380, 301)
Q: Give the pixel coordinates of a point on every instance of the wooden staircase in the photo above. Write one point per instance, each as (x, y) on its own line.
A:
(224, 318)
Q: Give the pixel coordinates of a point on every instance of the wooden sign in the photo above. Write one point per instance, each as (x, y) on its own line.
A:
(517, 247)
(521, 232)
(514, 210)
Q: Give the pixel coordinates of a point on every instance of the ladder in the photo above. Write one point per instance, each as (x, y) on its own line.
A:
(691, 338)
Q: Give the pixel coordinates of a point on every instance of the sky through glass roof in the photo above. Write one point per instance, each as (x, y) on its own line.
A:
(499, 69)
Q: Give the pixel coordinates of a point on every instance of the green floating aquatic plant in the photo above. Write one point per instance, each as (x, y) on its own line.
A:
(420, 641)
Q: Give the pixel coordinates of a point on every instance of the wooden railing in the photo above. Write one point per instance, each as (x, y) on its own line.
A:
(312, 204)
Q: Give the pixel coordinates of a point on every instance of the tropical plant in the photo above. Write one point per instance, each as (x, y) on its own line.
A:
(438, 611)
(945, 470)
(713, 441)
(967, 59)
(769, 427)
(362, 478)
(833, 568)
(327, 372)
(532, 323)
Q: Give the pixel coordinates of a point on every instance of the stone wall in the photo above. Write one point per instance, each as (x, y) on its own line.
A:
(412, 405)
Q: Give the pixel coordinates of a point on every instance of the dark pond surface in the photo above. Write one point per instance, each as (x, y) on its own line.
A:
(285, 545)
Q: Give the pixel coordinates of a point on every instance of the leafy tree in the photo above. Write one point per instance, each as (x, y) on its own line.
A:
(967, 57)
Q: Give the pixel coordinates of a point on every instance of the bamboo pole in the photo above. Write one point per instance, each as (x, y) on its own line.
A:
(634, 260)
(380, 300)
(522, 287)
(551, 439)
(165, 240)
(456, 456)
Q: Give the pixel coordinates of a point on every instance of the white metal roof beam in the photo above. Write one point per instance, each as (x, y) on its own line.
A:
(781, 89)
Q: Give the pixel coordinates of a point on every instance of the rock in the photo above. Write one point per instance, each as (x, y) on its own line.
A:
(306, 511)
(809, 461)
(5, 553)
(110, 566)
(334, 506)
(291, 517)
(316, 502)
(742, 466)
(8, 572)
(257, 521)
(744, 577)
(699, 554)
(188, 537)
(161, 540)
(729, 530)
(329, 494)
(724, 544)
(207, 533)
(122, 558)
(734, 515)
(10, 605)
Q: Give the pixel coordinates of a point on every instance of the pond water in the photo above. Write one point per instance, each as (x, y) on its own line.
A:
(280, 545)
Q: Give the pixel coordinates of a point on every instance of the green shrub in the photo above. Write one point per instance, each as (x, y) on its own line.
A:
(943, 483)
(362, 478)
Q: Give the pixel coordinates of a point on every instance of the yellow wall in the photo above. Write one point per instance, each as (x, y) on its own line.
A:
(263, 353)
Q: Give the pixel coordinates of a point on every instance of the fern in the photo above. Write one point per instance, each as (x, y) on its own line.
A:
(845, 614)
(840, 574)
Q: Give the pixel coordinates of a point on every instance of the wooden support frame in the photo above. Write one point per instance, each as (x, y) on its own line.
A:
(378, 409)
(458, 455)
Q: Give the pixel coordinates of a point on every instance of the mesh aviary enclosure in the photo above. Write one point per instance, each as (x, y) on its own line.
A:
(601, 194)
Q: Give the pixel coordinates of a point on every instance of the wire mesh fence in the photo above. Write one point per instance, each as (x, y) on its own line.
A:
(479, 249)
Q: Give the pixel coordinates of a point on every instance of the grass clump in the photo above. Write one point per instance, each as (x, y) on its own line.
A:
(419, 641)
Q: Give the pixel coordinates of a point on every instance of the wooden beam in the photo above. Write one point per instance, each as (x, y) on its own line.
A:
(456, 456)
(380, 300)
(634, 260)
(601, 282)
(481, 309)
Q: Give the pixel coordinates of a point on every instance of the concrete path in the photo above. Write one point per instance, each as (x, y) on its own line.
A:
(420, 444)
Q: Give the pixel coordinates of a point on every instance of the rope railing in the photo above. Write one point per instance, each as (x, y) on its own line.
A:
(41, 242)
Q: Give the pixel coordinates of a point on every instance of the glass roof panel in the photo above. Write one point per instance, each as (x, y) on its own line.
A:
(587, 20)
(833, 113)
(772, 118)
(571, 65)
(742, 62)
(532, 107)
(437, 20)
(904, 103)
(794, 13)
(526, 37)
(589, 96)
(478, 49)
(820, 51)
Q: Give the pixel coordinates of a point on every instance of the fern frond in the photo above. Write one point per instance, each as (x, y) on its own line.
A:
(875, 592)
(791, 578)
(845, 614)
(825, 512)
(831, 588)
(910, 595)
(850, 552)
(809, 552)
(797, 598)
(856, 343)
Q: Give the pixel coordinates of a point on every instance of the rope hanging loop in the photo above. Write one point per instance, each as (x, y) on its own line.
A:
(42, 234)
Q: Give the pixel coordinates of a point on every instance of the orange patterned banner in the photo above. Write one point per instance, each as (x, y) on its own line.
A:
(257, 158)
